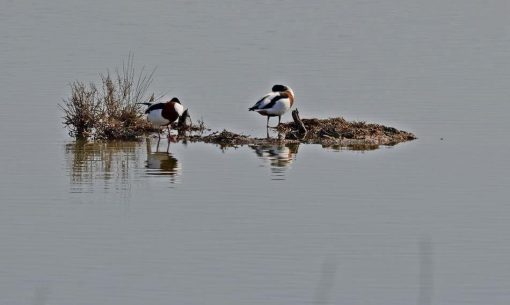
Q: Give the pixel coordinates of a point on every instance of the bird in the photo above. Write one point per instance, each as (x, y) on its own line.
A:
(164, 114)
(275, 103)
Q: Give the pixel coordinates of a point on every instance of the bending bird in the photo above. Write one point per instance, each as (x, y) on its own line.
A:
(164, 114)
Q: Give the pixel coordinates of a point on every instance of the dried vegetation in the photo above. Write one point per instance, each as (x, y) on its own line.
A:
(338, 131)
(109, 110)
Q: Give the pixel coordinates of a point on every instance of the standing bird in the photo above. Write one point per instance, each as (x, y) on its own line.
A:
(275, 103)
(164, 114)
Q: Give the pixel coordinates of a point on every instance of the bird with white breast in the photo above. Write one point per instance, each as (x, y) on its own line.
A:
(164, 114)
(275, 103)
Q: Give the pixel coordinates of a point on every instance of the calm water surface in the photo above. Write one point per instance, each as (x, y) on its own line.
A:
(424, 222)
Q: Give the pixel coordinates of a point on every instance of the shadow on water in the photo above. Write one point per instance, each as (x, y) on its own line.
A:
(426, 276)
(325, 286)
(425, 254)
(279, 157)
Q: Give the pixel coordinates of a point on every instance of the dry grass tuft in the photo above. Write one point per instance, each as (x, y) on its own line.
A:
(109, 111)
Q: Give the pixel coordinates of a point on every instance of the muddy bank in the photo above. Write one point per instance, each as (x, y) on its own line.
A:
(338, 131)
(332, 132)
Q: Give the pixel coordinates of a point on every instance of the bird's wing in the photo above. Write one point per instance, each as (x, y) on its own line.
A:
(264, 101)
(154, 107)
(259, 103)
(273, 101)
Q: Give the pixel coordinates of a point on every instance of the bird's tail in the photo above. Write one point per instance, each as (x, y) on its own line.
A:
(252, 108)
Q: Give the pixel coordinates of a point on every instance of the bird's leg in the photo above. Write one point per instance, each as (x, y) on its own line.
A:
(279, 119)
(267, 124)
(157, 146)
(168, 147)
(170, 137)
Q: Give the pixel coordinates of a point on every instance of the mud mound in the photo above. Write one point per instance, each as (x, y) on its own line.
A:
(338, 131)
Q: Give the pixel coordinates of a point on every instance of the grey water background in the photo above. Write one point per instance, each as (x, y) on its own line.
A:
(424, 222)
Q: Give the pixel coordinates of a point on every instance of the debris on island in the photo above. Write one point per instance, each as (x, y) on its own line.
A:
(326, 132)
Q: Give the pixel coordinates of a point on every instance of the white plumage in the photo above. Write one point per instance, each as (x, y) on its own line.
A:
(275, 103)
(156, 119)
(179, 108)
(164, 114)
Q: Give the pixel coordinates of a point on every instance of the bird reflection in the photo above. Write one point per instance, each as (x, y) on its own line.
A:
(162, 163)
(279, 156)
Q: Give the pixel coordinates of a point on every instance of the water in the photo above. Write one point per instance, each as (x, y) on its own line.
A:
(423, 222)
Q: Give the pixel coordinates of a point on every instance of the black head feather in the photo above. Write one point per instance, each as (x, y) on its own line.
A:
(175, 100)
(279, 88)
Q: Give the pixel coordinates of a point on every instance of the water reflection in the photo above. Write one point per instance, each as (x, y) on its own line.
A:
(355, 147)
(279, 157)
(117, 164)
(162, 163)
(93, 165)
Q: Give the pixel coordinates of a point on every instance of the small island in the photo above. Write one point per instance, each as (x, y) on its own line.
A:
(335, 132)
(112, 111)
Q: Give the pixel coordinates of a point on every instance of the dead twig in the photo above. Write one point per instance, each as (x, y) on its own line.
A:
(297, 120)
